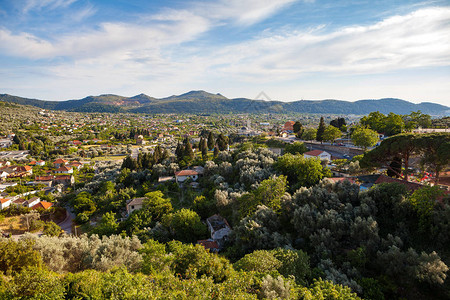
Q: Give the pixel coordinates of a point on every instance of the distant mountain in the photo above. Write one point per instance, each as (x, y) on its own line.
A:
(204, 102)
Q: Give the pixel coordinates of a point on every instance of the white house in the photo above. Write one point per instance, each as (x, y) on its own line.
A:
(322, 155)
(218, 227)
(135, 204)
(64, 170)
(5, 202)
(183, 175)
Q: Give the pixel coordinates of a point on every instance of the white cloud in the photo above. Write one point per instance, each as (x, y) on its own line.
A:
(419, 39)
(47, 4)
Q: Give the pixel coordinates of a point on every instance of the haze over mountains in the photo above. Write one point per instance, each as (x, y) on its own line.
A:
(204, 102)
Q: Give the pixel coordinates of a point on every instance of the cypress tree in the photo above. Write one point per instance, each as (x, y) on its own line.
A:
(211, 141)
(320, 130)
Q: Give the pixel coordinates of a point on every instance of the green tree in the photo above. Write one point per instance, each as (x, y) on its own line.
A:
(185, 225)
(320, 130)
(211, 141)
(301, 171)
(222, 142)
(52, 229)
(375, 121)
(435, 152)
(107, 226)
(423, 202)
(401, 145)
(331, 133)
(309, 134)
(296, 148)
(364, 137)
(157, 205)
(394, 124)
(16, 256)
(298, 128)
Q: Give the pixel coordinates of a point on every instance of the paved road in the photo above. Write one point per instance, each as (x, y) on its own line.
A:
(66, 225)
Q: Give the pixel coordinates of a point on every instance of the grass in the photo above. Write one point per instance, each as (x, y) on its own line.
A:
(12, 225)
(106, 158)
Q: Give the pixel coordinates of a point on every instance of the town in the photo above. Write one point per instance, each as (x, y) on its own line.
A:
(228, 183)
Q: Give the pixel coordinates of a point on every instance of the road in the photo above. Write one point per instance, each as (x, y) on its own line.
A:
(66, 225)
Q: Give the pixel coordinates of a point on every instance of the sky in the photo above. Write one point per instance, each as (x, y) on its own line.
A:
(288, 49)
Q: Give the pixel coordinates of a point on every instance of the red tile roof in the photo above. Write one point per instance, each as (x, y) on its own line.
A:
(60, 161)
(314, 152)
(412, 186)
(63, 168)
(44, 178)
(209, 244)
(186, 173)
(43, 204)
(3, 200)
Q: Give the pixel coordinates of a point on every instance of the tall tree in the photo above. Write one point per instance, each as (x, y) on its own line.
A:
(298, 128)
(331, 133)
(211, 141)
(320, 130)
(222, 142)
(364, 137)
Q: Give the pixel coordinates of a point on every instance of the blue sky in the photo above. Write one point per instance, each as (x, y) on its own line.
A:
(291, 50)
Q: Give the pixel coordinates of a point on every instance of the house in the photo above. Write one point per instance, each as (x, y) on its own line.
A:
(322, 155)
(210, 245)
(218, 228)
(5, 202)
(43, 205)
(367, 181)
(27, 203)
(59, 162)
(135, 204)
(28, 170)
(64, 179)
(289, 126)
(4, 163)
(64, 170)
(40, 163)
(75, 164)
(183, 175)
(5, 143)
(5, 185)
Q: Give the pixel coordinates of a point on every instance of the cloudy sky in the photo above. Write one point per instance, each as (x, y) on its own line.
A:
(290, 49)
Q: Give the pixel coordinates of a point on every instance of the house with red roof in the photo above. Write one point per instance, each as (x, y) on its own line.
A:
(184, 175)
(59, 162)
(210, 245)
(43, 205)
(64, 170)
(322, 155)
(5, 202)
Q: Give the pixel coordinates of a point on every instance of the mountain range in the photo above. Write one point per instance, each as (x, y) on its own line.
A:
(202, 102)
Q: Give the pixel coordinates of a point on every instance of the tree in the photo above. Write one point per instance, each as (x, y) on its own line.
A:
(52, 229)
(423, 202)
(15, 256)
(108, 225)
(331, 133)
(296, 148)
(222, 142)
(375, 121)
(320, 130)
(301, 171)
(298, 128)
(157, 205)
(204, 149)
(30, 219)
(216, 151)
(364, 137)
(309, 134)
(338, 123)
(435, 152)
(185, 225)
(393, 124)
(211, 142)
(401, 145)
(188, 153)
